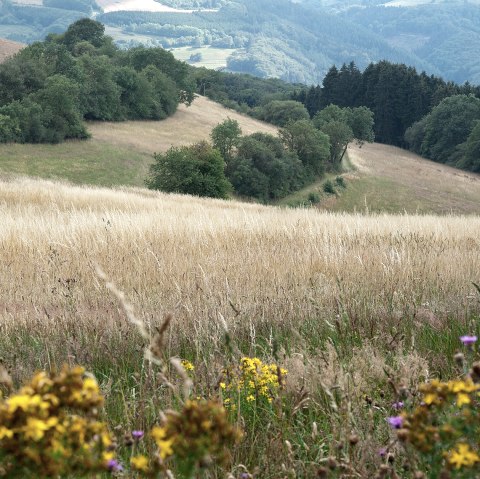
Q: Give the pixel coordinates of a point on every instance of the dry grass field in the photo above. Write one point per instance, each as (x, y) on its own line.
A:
(8, 48)
(188, 125)
(385, 179)
(201, 259)
(432, 184)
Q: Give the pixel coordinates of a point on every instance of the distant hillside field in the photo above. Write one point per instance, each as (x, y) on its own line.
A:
(387, 179)
(8, 48)
(391, 179)
(120, 153)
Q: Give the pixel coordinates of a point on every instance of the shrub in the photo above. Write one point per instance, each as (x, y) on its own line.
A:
(194, 170)
(340, 181)
(329, 188)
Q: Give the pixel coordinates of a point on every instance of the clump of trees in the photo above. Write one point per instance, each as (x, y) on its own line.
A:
(50, 87)
(260, 166)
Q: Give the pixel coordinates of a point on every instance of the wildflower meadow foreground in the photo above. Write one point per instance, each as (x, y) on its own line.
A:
(152, 336)
(55, 426)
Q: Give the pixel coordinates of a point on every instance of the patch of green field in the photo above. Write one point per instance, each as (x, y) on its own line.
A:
(373, 194)
(80, 162)
(213, 58)
(367, 194)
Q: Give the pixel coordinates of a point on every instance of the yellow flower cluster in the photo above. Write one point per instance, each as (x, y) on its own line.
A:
(446, 423)
(188, 366)
(462, 456)
(199, 433)
(50, 427)
(255, 380)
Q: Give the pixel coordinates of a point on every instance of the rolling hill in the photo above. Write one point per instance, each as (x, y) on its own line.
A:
(381, 178)
(385, 179)
(120, 153)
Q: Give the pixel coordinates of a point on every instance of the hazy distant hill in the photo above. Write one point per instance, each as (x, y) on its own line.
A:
(297, 42)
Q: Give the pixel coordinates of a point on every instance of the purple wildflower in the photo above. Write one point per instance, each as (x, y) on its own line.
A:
(467, 340)
(114, 465)
(382, 452)
(137, 435)
(397, 405)
(395, 421)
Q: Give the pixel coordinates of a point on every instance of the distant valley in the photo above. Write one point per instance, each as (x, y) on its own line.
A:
(297, 42)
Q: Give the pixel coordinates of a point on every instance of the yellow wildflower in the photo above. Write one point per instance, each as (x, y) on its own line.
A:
(430, 398)
(5, 433)
(462, 399)
(19, 401)
(90, 385)
(140, 463)
(187, 365)
(159, 435)
(250, 398)
(463, 456)
(35, 428)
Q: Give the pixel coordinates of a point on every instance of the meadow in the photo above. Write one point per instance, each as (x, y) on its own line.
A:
(359, 309)
(120, 153)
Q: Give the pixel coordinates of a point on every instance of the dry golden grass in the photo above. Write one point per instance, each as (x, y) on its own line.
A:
(8, 48)
(258, 267)
(188, 125)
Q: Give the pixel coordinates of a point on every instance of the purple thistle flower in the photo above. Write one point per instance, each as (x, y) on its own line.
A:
(397, 405)
(467, 340)
(395, 421)
(114, 465)
(137, 435)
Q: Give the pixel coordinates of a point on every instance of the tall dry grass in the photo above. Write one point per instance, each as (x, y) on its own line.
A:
(202, 260)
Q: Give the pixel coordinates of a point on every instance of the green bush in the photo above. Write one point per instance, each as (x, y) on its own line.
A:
(194, 170)
(314, 197)
(340, 181)
(329, 188)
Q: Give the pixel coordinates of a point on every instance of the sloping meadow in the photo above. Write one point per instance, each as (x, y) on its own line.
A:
(348, 303)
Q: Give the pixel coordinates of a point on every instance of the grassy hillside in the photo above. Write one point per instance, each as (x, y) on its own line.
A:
(382, 178)
(120, 153)
(353, 307)
(8, 48)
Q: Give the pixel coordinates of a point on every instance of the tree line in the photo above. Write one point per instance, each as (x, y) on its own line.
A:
(50, 87)
(421, 112)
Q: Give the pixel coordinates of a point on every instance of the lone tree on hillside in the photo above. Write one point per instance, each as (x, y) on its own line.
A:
(225, 136)
(193, 170)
